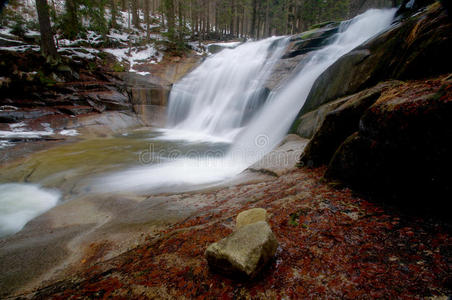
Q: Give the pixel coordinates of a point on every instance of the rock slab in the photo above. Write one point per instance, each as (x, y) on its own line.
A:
(245, 252)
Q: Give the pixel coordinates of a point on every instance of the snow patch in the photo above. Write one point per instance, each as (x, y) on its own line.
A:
(21, 48)
(69, 132)
(6, 31)
(18, 131)
(17, 125)
(4, 144)
(136, 56)
(23, 134)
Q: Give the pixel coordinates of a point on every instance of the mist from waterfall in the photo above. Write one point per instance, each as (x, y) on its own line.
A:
(211, 103)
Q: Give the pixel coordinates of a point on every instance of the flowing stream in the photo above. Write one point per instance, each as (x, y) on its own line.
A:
(221, 120)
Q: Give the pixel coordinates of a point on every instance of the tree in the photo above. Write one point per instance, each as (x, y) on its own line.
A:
(170, 17)
(253, 19)
(135, 14)
(48, 49)
(71, 23)
(147, 19)
(114, 12)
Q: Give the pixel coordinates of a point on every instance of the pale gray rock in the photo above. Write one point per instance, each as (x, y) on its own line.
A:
(245, 252)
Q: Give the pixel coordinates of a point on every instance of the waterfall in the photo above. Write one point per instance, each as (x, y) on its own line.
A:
(211, 104)
(216, 99)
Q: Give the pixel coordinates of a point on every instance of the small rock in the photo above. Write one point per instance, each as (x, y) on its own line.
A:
(5, 81)
(64, 68)
(251, 216)
(245, 252)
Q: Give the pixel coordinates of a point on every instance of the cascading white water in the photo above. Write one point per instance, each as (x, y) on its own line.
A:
(211, 102)
(214, 100)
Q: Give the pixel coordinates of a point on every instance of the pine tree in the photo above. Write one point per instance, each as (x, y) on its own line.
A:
(71, 23)
(135, 14)
(114, 12)
(170, 17)
(48, 49)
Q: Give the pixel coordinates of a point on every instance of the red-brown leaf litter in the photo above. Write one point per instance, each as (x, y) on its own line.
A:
(332, 244)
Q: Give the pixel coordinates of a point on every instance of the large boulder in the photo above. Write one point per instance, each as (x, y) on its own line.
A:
(245, 252)
(282, 159)
(149, 97)
(308, 124)
(297, 52)
(402, 149)
(340, 123)
(311, 40)
(416, 47)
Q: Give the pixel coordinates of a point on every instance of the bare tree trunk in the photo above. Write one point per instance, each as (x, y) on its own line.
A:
(237, 20)
(267, 19)
(242, 29)
(113, 14)
(181, 21)
(195, 21)
(147, 19)
(208, 18)
(169, 10)
(253, 20)
(48, 49)
(71, 21)
(232, 25)
(135, 14)
(217, 28)
(258, 26)
(286, 17)
(129, 27)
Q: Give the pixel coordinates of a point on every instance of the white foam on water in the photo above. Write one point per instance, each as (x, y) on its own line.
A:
(20, 203)
(69, 132)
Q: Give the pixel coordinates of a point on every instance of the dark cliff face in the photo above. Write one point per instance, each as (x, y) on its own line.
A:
(401, 149)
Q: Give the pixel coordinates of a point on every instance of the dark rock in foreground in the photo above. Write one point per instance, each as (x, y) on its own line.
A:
(339, 123)
(403, 145)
